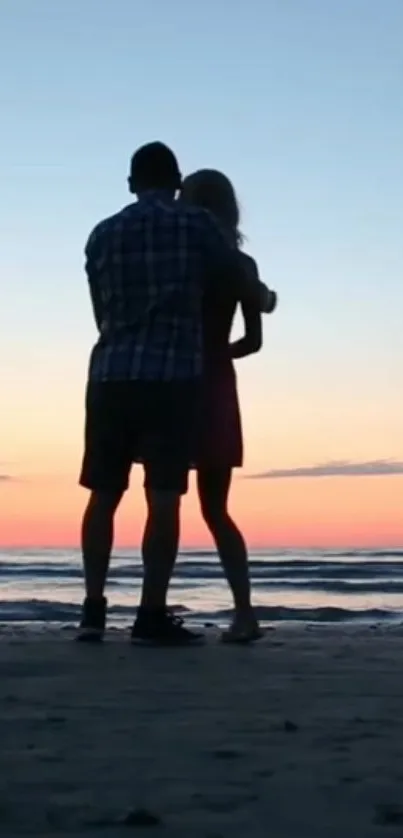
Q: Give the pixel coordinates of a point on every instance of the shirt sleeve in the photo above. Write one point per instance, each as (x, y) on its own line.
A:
(94, 259)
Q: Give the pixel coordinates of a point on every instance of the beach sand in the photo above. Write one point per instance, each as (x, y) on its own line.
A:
(301, 735)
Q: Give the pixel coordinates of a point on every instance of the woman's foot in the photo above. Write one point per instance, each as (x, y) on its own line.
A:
(244, 628)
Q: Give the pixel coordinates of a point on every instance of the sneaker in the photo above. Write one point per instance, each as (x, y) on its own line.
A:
(162, 628)
(93, 621)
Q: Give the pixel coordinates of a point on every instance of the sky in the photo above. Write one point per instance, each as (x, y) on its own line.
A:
(300, 103)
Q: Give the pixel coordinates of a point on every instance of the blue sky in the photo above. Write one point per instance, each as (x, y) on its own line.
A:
(300, 103)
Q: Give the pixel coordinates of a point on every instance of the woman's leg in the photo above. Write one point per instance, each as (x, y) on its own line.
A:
(213, 486)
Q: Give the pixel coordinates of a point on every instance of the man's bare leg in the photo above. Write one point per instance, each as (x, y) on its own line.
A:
(96, 541)
(160, 547)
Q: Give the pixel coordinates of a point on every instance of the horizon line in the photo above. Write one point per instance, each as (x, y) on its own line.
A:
(345, 547)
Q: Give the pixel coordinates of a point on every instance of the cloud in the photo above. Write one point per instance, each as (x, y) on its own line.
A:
(6, 475)
(337, 468)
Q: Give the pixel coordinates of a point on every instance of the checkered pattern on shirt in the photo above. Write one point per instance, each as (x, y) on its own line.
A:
(145, 267)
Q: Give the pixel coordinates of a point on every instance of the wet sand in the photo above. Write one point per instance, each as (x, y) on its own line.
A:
(300, 736)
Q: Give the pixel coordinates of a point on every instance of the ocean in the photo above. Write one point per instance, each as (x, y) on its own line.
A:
(39, 587)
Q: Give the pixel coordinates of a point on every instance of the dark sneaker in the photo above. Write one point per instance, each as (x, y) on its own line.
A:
(162, 628)
(93, 621)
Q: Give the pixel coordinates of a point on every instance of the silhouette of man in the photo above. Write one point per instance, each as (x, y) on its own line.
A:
(147, 268)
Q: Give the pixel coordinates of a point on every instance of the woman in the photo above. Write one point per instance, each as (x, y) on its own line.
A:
(220, 441)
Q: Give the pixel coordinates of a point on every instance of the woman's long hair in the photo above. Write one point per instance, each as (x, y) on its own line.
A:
(212, 190)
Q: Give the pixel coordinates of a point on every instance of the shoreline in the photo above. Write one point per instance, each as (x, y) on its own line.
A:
(332, 588)
(211, 628)
(299, 736)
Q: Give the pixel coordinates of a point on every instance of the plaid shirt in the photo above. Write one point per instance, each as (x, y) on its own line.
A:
(146, 267)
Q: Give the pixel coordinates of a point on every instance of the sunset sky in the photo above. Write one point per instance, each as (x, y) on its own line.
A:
(300, 103)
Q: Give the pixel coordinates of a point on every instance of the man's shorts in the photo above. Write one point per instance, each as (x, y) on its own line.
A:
(151, 421)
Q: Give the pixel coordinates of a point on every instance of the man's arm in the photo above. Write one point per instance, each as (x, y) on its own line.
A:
(226, 262)
(93, 262)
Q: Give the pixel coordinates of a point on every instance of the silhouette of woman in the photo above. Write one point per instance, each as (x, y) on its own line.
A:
(220, 444)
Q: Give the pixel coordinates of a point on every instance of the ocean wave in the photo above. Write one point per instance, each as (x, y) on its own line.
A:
(128, 554)
(44, 611)
(376, 554)
(342, 586)
(297, 570)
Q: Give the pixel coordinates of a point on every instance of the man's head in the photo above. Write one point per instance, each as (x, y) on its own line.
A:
(154, 166)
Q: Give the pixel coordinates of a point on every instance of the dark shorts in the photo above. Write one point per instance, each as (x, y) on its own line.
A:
(153, 421)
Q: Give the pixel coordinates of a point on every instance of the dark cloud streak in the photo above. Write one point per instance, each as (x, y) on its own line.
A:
(338, 468)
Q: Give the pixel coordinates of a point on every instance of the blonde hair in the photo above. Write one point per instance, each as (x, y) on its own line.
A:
(212, 190)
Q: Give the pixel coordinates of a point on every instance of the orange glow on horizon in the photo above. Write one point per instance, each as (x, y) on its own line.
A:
(325, 512)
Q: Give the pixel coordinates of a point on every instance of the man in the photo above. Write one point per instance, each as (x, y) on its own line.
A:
(147, 267)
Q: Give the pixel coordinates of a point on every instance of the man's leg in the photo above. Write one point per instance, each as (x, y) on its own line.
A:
(154, 622)
(96, 543)
(97, 540)
(166, 479)
(105, 472)
(159, 547)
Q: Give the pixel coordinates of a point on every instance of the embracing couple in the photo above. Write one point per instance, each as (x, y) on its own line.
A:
(165, 276)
